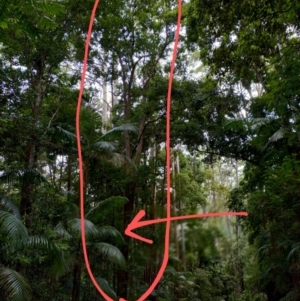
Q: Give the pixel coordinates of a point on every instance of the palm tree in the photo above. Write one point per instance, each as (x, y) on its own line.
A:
(96, 237)
(13, 285)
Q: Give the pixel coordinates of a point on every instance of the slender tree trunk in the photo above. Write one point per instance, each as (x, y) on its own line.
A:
(239, 230)
(153, 155)
(114, 100)
(174, 213)
(214, 199)
(27, 185)
(77, 270)
(123, 277)
(182, 224)
(69, 173)
(104, 102)
(31, 153)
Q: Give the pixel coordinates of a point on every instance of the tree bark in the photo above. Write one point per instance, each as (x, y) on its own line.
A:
(76, 281)
(31, 153)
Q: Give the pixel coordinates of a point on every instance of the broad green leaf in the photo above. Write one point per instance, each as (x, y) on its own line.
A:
(111, 252)
(14, 228)
(10, 206)
(106, 207)
(122, 128)
(90, 229)
(277, 135)
(67, 134)
(3, 25)
(106, 288)
(105, 145)
(62, 231)
(14, 285)
(109, 231)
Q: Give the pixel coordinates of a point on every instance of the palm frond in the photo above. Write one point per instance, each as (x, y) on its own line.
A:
(105, 146)
(66, 134)
(13, 175)
(263, 249)
(62, 231)
(129, 127)
(106, 288)
(106, 207)
(295, 249)
(40, 242)
(14, 228)
(110, 232)
(277, 135)
(236, 123)
(10, 206)
(256, 123)
(90, 228)
(251, 123)
(14, 286)
(72, 211)
(117, 159)
(292, 295)
(111, 252)
(61, 263)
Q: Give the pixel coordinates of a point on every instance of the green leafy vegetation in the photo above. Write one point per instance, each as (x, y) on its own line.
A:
(235, 133)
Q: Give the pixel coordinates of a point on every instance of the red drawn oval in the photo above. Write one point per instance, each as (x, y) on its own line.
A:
(168, 218)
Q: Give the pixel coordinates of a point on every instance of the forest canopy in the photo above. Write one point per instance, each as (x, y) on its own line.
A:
(235, 136)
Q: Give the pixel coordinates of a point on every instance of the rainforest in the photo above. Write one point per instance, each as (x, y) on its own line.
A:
(235, 147)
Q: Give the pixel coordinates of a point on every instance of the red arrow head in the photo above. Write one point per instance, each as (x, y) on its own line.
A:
(135, 223)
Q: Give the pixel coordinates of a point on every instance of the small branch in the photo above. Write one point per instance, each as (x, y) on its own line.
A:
(142, 133)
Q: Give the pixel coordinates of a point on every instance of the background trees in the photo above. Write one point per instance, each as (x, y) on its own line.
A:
(235, 146)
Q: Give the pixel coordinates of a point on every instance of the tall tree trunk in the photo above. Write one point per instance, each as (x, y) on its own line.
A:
(104, 102)
(114, 100)
(239, 230)
(28, 185)
(173, 208)
(214, 199)
(31, 153)
(182, 232)
(77, 270)
(123, 277)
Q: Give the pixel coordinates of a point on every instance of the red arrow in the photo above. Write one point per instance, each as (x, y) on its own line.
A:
(137, 223)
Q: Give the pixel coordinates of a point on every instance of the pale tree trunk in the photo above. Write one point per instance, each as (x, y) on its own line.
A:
(114, 98)
(104, 101)
(124, 277)
(173, 207)
(104, 109)
(214, 199)
(114, 83)
(181, 224)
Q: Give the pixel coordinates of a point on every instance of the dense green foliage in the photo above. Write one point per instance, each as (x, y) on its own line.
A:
(235, 146)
